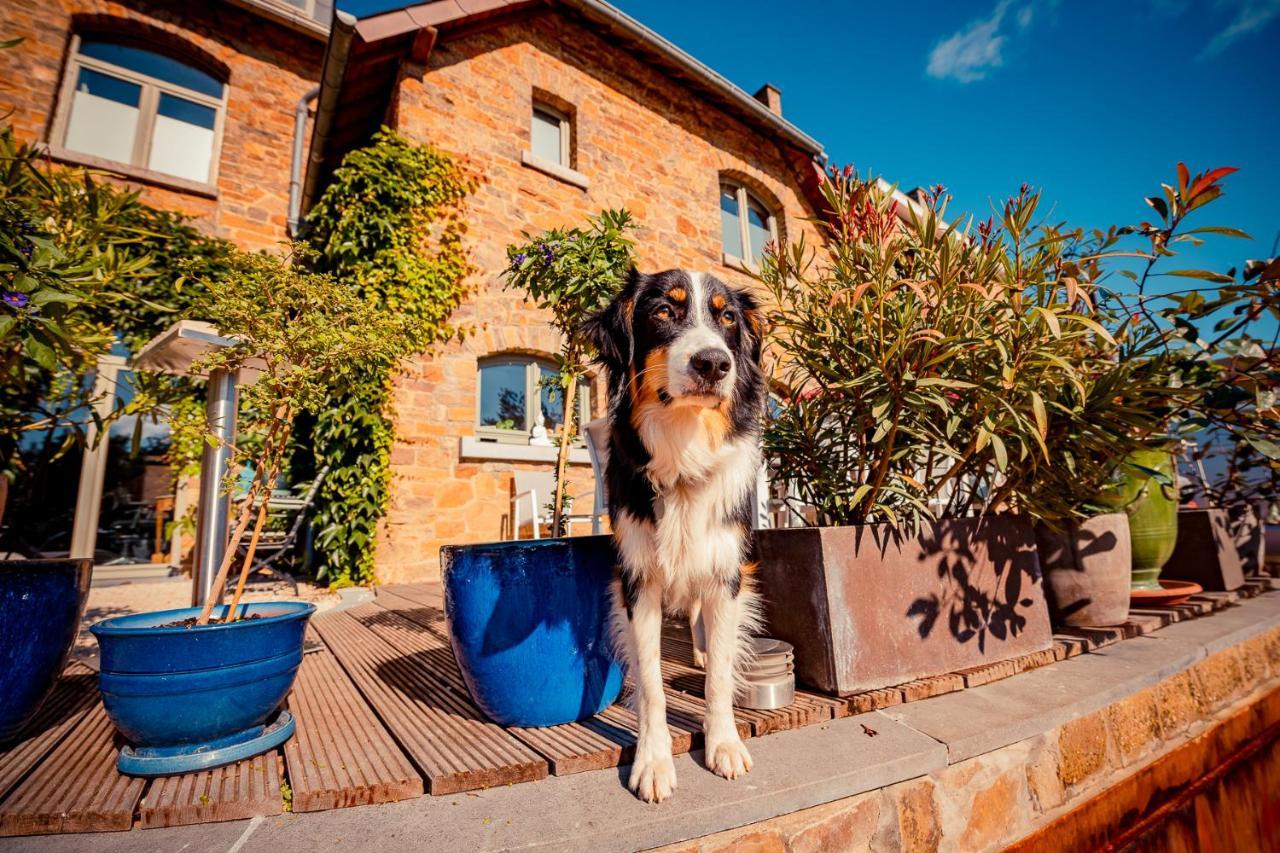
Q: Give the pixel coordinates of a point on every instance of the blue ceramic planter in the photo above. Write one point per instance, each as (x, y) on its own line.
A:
(191, 698)
(41, 602)
(529, 625)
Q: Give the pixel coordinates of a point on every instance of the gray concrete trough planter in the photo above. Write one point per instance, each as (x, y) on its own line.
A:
(1087, 569)
(866, 607)
(1206, 552)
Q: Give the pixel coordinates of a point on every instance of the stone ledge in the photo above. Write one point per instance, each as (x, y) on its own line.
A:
(985, 718)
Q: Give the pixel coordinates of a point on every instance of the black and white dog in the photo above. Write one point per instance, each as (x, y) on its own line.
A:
(682, 353)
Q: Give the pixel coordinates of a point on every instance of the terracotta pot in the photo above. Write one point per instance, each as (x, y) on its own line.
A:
(1206, 552)
(868, 607)
(1086, 568)
(1152, 507)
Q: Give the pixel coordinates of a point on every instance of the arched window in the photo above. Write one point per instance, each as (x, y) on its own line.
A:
(128, 105)
(746, 224)
(507, 385)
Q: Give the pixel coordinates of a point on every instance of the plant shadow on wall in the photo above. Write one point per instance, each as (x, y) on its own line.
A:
(975, 608)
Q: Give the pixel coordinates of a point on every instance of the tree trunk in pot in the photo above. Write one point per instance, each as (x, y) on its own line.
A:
(1087, 569)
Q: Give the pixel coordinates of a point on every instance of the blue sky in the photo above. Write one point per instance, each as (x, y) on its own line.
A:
(1094, 102)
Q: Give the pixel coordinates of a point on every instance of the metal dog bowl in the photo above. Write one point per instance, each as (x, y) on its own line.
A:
(768, 648)
(761, 669)
(769, 694)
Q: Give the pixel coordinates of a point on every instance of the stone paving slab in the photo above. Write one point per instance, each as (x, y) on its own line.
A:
(993, 715)
(586, 811)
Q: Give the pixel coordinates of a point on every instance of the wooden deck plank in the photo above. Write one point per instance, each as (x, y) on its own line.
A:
(430, 593)
(440, 730)
(76, 788)
(341, 755)
(237, 791)
(72, 697)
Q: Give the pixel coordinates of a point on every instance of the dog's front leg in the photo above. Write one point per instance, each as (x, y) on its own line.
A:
(653, 773)
(697, 634)
(725, 753)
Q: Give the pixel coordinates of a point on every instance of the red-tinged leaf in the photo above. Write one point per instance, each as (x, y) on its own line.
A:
(1184, 176)
(1211, 177)
(1157, 204)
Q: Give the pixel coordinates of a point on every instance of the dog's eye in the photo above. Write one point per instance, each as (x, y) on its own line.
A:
(728, 318)
(662, 312)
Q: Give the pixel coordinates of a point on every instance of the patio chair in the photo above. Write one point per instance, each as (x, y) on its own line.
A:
(534, 492)
(288, 513)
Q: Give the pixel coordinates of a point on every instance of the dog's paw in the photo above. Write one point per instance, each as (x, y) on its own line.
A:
(699, 658)
(728, 758)
(653, 776)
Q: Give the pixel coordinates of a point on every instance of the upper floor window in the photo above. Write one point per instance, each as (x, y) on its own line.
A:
(549, 135)
(143, 109)
(508, 384)
(746, 225)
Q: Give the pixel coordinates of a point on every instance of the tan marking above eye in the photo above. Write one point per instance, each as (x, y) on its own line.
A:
(718, 301)
(677, 294)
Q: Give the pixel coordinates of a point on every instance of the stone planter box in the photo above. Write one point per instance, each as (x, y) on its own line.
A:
(1206, 552)
(1087, 569)
(1247, 531)
(866, 607)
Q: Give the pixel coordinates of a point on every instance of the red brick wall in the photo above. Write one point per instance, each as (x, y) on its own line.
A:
(270, 67)
(643, 141)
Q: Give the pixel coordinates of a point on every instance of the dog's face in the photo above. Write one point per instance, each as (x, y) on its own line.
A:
(686, 338)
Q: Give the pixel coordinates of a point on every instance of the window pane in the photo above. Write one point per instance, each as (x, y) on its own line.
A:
(757, 229)
(104, 116)
(182, 143)
(545, 142)
(153, 65)
(552, 398)
(730, 229)
(502, 389)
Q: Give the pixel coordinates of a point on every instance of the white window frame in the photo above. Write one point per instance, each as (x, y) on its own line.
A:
(744, 197)
(566, 131)
(148, 106)
(532, 392)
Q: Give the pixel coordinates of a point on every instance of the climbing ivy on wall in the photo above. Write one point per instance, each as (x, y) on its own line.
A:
(391, 225)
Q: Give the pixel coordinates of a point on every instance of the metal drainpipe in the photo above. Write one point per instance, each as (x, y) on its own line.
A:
(295, 168)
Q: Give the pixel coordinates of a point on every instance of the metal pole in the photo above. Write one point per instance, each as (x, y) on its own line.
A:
(93, 464)
(214, 508)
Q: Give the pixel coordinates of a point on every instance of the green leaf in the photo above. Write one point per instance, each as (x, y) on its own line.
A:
(1203, 275)
(1220, 229)
(40, 353)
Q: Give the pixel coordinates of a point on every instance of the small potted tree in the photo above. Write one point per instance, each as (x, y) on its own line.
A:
(198, 687)
(914, 353)
(528, 619)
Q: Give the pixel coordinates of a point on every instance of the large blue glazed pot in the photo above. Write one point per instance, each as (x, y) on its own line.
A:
(529, 621)
(196, 687)
(41, 602)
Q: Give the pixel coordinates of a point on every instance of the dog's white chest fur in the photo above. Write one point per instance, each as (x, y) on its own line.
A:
(699, 485)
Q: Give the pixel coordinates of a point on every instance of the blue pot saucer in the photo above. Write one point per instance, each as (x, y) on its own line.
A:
(190, 758)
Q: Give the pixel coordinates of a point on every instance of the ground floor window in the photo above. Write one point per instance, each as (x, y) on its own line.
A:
(519, 393)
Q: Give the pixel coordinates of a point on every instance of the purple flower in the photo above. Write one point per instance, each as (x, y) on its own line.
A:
(16, 300)
(519, 259)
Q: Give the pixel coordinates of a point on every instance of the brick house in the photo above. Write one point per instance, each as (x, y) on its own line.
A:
(561, 108)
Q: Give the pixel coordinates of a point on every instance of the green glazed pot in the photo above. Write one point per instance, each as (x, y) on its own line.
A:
(1153, 513)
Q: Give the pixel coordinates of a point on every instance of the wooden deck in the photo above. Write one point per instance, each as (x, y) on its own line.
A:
(383, 715)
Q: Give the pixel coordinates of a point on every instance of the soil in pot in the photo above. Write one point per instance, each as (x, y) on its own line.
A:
(1087, 566)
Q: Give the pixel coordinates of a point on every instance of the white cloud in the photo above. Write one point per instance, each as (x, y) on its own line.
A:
(969, 54)
(1250, 16)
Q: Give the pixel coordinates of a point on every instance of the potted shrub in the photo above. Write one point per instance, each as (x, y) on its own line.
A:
(914, 354)
(528, 618)
(199, 687)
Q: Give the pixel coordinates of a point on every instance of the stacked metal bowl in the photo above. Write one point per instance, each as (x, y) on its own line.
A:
(769, 675)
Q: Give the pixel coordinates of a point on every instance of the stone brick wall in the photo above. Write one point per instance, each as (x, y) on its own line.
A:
(643, 141)
(269, 68)
(1032, 789)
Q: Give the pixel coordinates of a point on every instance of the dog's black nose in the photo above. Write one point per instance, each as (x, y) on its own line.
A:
(711, 364)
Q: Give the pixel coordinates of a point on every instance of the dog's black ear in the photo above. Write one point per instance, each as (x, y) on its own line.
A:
(752, 321)
(610, 329)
